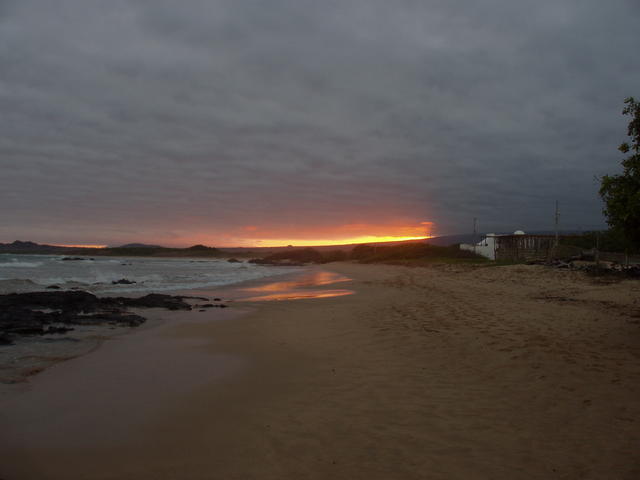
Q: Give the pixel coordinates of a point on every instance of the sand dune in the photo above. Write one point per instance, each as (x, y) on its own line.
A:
(449, 372)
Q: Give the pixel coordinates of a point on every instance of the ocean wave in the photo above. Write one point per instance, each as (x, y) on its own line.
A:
(175, 287)
(147, 275)
(18, 264)
(13, 285)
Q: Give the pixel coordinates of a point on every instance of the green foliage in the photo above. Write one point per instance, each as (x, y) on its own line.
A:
(361, 252)
(621, 193)
(606, 241)
(299, 255)
(334, 256)
(412, 251)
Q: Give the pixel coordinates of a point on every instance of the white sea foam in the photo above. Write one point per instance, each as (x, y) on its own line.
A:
(148, 274)
(17, 264)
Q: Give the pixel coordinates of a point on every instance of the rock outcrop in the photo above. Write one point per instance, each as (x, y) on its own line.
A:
(41, 313)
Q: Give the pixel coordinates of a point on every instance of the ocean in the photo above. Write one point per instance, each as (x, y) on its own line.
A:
(22, 273)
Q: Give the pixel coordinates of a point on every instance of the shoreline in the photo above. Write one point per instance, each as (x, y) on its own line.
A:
(85, 340)
(451, 372)
(77, 278)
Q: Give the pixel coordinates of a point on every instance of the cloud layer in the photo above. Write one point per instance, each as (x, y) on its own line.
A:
(171, 122)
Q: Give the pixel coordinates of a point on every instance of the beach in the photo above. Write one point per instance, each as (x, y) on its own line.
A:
(442, 372)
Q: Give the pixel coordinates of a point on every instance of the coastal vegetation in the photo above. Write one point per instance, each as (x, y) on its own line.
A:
(413, 252)
(611, 240)
(407, 253)
(621, 192)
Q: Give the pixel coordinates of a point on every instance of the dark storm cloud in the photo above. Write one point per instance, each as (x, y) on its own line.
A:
(122, 118)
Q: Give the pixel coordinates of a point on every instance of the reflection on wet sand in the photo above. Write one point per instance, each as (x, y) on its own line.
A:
(303, 287)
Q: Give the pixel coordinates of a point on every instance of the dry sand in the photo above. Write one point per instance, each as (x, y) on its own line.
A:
(517, 372)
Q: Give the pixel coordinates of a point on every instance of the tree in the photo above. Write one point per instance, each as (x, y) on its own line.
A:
(621, 193)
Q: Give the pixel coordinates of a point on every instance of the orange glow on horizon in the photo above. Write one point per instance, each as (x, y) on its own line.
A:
(79, 246)
(250, 235)
(277, 242)
(253, 236)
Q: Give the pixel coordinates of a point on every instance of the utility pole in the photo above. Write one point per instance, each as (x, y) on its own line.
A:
(475, 237)
(557, 220)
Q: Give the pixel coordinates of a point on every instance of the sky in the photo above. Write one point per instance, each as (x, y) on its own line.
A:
(251, 122)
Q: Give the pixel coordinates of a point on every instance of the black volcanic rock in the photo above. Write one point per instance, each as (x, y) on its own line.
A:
(21, 327)
(123, 281)
(212, 305)
(112, 318)
(42, 313)
(155, 300)
(57, 330)
(182, 297)
(73, 301)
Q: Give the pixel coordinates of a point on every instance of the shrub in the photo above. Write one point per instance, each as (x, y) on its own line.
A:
(304, 255)
(334, 256)
(409, 251)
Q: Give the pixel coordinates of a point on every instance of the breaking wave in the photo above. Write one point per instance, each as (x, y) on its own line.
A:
(109, 276)
(18, 264)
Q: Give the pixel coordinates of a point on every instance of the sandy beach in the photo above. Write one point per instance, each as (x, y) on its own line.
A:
(445, 372)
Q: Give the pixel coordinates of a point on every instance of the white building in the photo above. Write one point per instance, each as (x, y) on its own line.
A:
(487, 246)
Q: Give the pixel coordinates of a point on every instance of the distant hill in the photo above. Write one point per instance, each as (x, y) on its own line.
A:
(142, 250)
(131, 249)
(21, 247)
(447, 240)
(146, 250)
(201, 248)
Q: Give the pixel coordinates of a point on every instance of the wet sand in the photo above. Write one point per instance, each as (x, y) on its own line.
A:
(444, 372)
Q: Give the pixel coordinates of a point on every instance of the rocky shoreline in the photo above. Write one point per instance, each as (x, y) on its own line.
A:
(43, 313)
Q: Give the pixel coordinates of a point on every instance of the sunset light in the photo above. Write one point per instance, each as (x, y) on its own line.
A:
(347, 234)
(279, 242)
(79, 246)
(272, 257)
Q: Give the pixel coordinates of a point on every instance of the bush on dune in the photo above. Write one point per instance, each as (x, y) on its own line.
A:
(611, 240)
(304, 255)
(334, 256)
(374, 254)
(411, 251)
(202, 248)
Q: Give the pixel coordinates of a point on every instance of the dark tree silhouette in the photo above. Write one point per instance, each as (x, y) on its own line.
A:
(621, 193)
